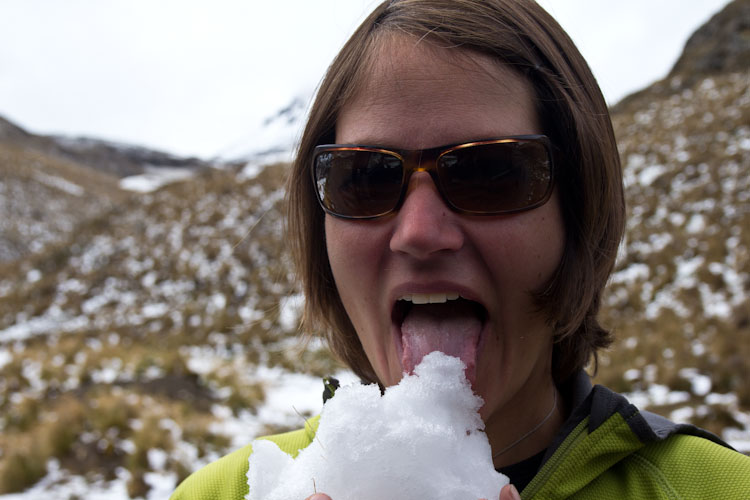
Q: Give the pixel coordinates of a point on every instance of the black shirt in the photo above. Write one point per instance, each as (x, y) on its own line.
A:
(523, 472)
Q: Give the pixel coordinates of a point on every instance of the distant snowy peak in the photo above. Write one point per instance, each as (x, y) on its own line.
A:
(274, 138)
(291, 114)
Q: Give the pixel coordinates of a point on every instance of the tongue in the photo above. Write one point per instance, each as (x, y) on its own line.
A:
(451, 328)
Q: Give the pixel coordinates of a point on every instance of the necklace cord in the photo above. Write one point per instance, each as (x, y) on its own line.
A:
(532, 431)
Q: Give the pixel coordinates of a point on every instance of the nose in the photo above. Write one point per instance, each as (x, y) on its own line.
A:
(424, 223)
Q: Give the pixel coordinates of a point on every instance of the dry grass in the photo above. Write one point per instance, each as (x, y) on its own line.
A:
(197, 265)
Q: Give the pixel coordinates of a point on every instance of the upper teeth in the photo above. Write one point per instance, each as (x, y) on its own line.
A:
(430, 298)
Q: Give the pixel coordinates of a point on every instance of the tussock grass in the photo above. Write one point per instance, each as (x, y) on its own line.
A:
(129, 374)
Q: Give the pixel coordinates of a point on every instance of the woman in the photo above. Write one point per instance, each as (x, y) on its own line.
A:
(458, 188)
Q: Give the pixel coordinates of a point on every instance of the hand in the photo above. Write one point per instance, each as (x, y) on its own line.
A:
(508, 492)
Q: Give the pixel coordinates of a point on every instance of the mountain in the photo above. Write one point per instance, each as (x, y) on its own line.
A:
(720, 46)
(157, 331)
(275, 139)
(679, 299)
(50, 184)
(118, 159)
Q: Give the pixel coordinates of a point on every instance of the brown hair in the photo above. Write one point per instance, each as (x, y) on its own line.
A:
(573, 113)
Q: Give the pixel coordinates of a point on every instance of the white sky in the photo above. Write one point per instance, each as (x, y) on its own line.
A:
(194, 77)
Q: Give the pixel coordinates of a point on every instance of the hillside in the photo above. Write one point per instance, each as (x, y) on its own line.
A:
(50, 184)
(143, 335)
(43, 198)
(680, 297)
(679, 300)
(169, 311)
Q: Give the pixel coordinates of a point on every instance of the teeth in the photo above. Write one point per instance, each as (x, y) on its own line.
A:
(430, 298)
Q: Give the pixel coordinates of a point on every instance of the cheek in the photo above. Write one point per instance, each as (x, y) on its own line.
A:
(545, 250)
(344, 247)
(355, 253)
(525, 254)
(549, 242)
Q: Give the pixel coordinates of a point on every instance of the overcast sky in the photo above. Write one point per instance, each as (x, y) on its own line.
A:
(195, 77)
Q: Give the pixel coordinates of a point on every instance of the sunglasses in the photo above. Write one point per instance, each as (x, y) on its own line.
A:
(492, 177)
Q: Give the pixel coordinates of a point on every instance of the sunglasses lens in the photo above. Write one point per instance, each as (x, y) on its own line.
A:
(496, 177)
(358, 183)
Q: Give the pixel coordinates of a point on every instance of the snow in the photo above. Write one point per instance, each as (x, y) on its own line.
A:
(631, 274)
(700, 384)
(649, 174)
(274, 139)
(5, 357)
(154, 177)
(33, 275)
(290, 311)
(289, 396)
(657, 395)
(697, 224)
(60, 183)
(52, 320)
(399, 445)
(59, 484)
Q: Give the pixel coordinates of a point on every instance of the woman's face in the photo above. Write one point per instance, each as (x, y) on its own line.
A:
(416, 97)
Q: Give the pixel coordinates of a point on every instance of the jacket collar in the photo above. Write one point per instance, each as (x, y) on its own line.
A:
(599, 404)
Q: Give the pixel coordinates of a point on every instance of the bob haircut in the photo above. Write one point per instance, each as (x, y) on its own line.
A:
(573, 114)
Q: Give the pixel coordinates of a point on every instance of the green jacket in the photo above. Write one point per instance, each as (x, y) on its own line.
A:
(607, 449)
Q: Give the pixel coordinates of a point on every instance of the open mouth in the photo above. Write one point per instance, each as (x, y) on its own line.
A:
(442, 322)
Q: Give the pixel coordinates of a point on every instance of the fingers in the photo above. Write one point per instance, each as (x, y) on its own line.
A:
(509, 492)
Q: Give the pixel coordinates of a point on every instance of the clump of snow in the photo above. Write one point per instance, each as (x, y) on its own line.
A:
(402, 444)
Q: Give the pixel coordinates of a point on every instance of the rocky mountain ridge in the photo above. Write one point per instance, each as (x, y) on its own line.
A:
(720, 46)
(117, 159)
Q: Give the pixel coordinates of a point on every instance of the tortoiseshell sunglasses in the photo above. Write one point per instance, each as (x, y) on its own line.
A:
(490, 177)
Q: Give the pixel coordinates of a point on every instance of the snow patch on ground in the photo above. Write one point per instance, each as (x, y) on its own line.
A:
(154, 178)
